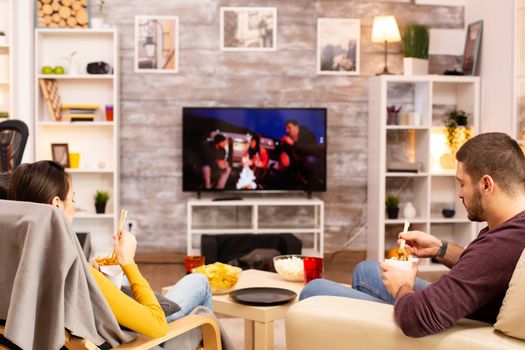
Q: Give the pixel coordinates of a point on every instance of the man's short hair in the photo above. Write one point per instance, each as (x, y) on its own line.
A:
(495, 154)
(218, 138)
(291, 121)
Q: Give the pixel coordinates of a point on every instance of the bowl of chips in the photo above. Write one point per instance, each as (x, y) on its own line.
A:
(222, 277)
(289, 267)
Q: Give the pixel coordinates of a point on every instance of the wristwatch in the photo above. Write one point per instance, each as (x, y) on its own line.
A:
(442, 249)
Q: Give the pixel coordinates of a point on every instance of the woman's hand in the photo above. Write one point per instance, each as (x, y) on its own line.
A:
(125, 247)
(394, 278)
(420, 244)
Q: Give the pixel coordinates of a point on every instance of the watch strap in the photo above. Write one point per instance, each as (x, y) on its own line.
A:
(442, 249)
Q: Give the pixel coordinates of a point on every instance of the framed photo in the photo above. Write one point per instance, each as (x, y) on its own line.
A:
(248, 28)
(156, 44)
(338, 46)
(472, 48)
(60, 153)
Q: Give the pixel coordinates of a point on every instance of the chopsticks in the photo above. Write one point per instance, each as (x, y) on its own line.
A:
(121, 221)
(401, 252)
(405, 230)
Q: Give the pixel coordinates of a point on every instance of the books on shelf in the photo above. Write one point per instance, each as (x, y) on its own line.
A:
(80, 112)
(82, 117)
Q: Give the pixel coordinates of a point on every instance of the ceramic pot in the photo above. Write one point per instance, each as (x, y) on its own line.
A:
(415, 66)
(392, 213)
(100, 208)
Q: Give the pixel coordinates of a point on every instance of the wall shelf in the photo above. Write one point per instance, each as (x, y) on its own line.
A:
(431, 189)
(97, 141)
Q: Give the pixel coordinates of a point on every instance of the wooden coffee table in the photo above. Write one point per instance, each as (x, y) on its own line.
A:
(258, 320)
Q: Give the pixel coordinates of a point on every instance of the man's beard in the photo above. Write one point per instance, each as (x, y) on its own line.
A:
(475, 210)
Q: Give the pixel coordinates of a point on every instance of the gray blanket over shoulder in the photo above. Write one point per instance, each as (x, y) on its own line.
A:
(45, 283)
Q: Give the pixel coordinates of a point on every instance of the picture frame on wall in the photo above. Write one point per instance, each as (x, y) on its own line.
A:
(338, 41)
(60, 153)
(472, 48)
(156, 44)
(248, 28)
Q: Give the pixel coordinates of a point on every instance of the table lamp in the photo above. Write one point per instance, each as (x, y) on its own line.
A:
(385, 30)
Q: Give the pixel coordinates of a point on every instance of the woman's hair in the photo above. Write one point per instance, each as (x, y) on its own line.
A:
(39, 182)
(495, 154)
(253, 151)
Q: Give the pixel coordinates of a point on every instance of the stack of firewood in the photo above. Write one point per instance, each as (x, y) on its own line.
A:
(62, 13)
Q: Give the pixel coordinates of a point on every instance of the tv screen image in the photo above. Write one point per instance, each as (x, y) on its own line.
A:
(254, 149)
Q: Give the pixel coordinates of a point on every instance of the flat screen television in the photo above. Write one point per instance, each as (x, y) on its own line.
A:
(254, 149)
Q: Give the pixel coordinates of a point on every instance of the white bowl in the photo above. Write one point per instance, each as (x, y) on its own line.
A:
(400, 264)
(289, 267)
(114, 273)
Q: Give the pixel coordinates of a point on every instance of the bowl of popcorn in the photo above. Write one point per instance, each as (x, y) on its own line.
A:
(222, 277)
(289, 267)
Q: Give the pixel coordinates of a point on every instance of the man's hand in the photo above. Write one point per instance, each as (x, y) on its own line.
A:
(420, 244)
(394, 279)
(288, 140)
(125, 247)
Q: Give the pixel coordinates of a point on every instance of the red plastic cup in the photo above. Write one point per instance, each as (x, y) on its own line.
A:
(109, 113)
(313, 268)
(192, 261)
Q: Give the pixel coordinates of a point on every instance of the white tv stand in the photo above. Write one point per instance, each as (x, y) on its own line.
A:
(255, 225)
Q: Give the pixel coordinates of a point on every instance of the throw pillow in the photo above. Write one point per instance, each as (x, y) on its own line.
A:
(511, 316)
(168, 306)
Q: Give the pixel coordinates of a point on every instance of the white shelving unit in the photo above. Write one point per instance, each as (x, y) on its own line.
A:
(432, 188)
(250, 218)
(97, 141)
(6, 58)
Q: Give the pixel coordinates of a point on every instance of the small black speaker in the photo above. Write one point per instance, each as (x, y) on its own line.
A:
(98, 68)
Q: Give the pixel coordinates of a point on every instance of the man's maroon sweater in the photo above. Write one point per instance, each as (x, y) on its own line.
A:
(474, 288)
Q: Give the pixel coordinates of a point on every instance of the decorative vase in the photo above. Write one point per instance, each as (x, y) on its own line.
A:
(392, 118)
(415, 66)
(3, 40)
(409, 212)
(100, 208)
(392, 213)
(448, 161)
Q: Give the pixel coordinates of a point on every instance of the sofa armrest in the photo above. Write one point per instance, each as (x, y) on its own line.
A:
(326, 322)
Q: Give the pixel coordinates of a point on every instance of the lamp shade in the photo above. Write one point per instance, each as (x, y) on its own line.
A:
(385, 29)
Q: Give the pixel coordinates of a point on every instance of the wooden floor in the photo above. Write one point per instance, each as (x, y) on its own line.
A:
(164, 269)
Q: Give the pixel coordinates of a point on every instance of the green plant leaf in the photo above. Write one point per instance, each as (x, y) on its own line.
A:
(415, 41)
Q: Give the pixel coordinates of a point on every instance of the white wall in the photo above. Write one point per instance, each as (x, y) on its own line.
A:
(497, 61)
(23, 69)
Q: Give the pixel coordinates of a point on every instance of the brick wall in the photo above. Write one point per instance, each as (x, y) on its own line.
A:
(151, 104)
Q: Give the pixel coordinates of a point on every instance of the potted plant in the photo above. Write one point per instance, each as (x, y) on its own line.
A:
(392, 206)
(101, 199)
(457, 129)
(3, 38)
(415, 49)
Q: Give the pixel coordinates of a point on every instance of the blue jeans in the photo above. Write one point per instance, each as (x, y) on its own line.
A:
(367, 284)
(189, 292)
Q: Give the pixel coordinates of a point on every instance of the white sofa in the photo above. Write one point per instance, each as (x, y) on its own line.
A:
(327, 322)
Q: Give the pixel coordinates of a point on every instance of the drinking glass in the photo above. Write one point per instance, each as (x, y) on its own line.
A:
(193, 261)
(313, 268)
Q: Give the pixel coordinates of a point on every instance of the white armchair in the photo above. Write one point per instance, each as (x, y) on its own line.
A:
(327, 322)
